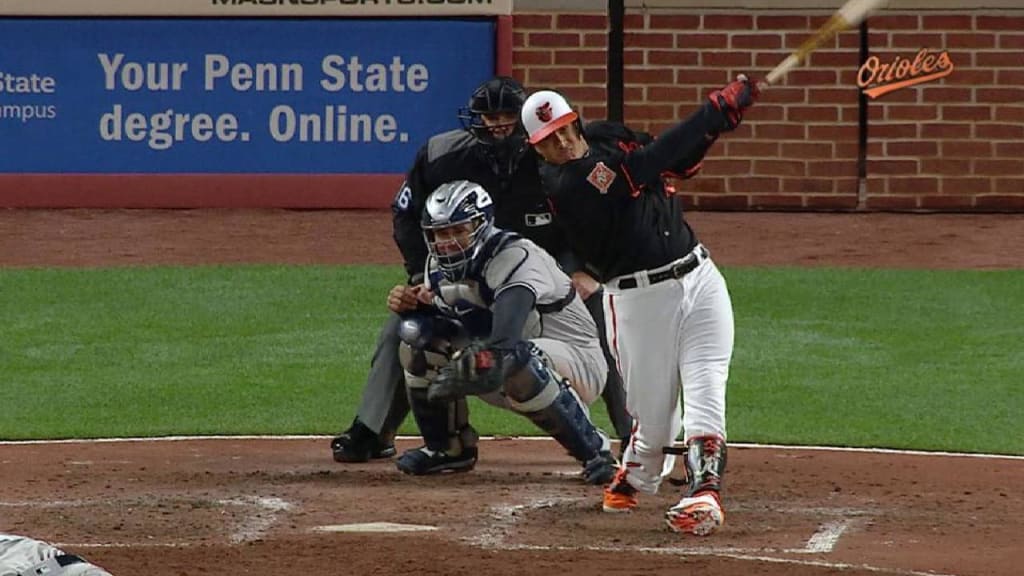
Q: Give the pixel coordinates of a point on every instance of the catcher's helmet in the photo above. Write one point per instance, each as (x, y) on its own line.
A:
(499, 94)
(457, 220)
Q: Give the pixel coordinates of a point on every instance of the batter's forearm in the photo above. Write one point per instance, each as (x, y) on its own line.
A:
(683, 142)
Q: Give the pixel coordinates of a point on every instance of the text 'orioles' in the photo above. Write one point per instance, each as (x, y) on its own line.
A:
(902, 72)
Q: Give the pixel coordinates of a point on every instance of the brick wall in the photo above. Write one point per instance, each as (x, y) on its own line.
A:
(952, 144)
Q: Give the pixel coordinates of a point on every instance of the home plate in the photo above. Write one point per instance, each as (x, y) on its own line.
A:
(375, 527)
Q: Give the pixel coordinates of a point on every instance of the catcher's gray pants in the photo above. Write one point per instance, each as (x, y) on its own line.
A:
(385, 404)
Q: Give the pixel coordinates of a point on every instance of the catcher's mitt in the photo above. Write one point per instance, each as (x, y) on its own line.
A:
(473, 370)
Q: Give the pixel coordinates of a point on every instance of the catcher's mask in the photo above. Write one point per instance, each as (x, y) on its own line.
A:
(457, 220)
(500, 96)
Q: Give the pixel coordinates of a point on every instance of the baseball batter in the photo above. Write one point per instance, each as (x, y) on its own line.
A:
(496, 318)
(22, 556)
(669, 315)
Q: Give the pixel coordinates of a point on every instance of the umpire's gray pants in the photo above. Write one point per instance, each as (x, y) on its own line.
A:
(385, 405)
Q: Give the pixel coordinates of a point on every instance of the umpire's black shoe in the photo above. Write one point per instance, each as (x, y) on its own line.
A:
(360, 444)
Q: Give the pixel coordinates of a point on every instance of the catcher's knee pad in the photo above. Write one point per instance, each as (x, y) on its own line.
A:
(705, 463)
(421, 365)
(530, 382)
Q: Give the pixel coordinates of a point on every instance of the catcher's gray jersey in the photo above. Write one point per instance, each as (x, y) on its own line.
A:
(22, 556)
(560, 323)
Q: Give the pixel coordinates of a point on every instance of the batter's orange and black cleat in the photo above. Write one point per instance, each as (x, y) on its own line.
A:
(619, 496)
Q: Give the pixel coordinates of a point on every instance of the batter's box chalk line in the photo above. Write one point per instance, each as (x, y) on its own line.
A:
(265, 513)
(256, 525)
(504, 518)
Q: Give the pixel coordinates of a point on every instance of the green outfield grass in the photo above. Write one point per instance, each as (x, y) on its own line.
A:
(902, 359)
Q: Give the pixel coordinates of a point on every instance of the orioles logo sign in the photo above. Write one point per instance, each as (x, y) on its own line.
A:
(876, 78)
(544, 112)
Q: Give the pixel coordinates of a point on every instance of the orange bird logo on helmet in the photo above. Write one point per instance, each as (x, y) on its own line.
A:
(544, 112)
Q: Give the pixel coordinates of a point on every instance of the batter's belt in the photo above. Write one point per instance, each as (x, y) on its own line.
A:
(673, 270)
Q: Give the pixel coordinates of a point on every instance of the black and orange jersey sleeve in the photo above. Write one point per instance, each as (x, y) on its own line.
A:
(678, 150)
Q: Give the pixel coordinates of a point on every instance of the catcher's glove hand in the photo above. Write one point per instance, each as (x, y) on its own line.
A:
(475, 369)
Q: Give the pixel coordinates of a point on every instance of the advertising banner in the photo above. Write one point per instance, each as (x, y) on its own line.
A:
(232, 96)
(260, 8)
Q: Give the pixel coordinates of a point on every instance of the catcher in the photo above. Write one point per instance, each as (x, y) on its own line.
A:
(496, 318)
(22, 556)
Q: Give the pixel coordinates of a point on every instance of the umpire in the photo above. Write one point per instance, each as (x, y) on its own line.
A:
(492, 151)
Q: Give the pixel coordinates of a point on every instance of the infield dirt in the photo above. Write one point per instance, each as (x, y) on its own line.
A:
(245, 506)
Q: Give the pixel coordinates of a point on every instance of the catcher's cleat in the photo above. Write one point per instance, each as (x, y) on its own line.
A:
(360, 444)
(700, 514)
(422, 461)
(600, 469)
(619, 496)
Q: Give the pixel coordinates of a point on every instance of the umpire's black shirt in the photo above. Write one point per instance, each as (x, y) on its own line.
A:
(513, 182)
(612, 202)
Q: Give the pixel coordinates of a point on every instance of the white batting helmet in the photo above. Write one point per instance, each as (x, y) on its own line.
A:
(544, 112)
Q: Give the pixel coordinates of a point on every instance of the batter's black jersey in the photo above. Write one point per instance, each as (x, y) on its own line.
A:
(520, 204)
(612, 202)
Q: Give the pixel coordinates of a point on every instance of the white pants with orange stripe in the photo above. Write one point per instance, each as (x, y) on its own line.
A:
(671, 339)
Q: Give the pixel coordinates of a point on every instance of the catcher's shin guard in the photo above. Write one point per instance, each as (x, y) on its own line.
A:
(444, 426)
(539, 393)
(449, 440)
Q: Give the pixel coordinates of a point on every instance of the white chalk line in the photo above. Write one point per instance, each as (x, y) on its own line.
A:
(505, 517)
(256, 525)
(824, 540)
(503, 438)
(753, 555)
(252, 528)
